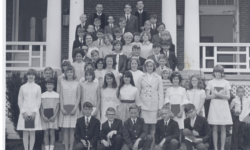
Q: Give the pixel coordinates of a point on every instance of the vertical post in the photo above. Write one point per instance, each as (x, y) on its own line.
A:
(76, 9)
(169, 19)
(192, 35)
(53, 38)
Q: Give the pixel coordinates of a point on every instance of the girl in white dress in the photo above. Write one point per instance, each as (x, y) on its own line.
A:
(218, 90)
(196, 95)
(108, 95)
(128, 94)
(99, 72)
(50, 100)
(146, 47)
(176, 95)
(29, 101)
(79, 64)
(69, 103)
(64, 66)
(133, 65)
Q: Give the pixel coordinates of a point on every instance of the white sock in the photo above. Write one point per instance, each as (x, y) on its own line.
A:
(51, 147)
(46, 147)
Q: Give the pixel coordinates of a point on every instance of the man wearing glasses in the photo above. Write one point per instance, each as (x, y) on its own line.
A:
(196, 129)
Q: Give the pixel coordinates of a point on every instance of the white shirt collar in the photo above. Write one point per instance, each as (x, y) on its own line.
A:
(166, 121)
(193, 120)
(88, 118)
(99, 14)
(127, 15)
(83, 24)
(134, 120)
(119, 54)
(146, 43)
(140, 11)
(119, 38)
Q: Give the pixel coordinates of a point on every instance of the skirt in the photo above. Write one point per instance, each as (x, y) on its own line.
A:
(150, 117)
(68, 121)
(37, 123)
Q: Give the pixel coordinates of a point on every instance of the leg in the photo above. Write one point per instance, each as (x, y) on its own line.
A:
(145, 144)
(125, 147)
(66, 138)
(46, 137)
(215, 136)
(180, 137)
(26, 140)
(32, 139)
(223, 136)
(52, 138)
(79, 146)
(173, 144)
(72, 138)
(242, 127)
(152, 133)
(189, 145)
(117, 144)
(102, 147)
(234, 139)
(201, 146)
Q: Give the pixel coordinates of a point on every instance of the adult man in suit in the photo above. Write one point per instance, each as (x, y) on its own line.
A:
(141, 15)
(196, 129)
(157, 37)
(83, 24)
(111, 133)
(99, 14)
(135, 132)
(136, 51)
(132, 21)
(87, 131)
(111, 26)
(166, 132)
(172, 59)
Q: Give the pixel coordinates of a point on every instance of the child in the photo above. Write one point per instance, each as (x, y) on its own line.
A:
(99, 42)
(111, 26)
(128, 95)
(147, 28)
(156, 54)
(64, 67)
(135, 69)
(196, 94)
(166, 36)
(176, 97)
(135, 131)
(109, 64)
(50, 101)
(99, 72)
(78, 43)
(163, 64)
(218, 90)
(69, 104)
(127, 48)
(79, 64)
(173, 61)
(157, 37)
(153, 20)
(83, 24)
(29, 101)
(94, 56)
(107, 47)
(88, 66)
(136, 51)
(108, 94)
(166, 83)
(48, 74)
(122, 25)
(137, 39)
(121, 59)
(240, 107)
(85, 49)
(87, 131)
(146, 45)
(97, 23)
(91, 30)
(111, 133)
(90, 92)
(118, 35)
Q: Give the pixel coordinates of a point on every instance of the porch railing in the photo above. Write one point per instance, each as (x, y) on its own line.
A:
(235, 57)
(23, 55)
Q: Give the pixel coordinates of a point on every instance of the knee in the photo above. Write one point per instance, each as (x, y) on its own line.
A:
(186, 132)
(52, 133)
(149, 137)
(201, 147)
(118, 137)
(174, 142)
(78, 146)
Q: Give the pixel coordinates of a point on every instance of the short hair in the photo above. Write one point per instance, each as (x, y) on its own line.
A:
(111, 75)
(111, 16)
(90, 25)
(105, 59)
(98, 4)
(118, 30)
(90, 72)
(147, 33)
(50, 69)
(159, 24)
(189, 107)
(98, 61)
(176, 74)
(128, 34)
(70, 67)
(154, 16)
(165, 108)
(137, 34)
(80, 30)
(78, 50)
(51, 81)
(165, 42)
(240, 87)
(136, 47)
(87, 104)
(128, 4)
(115, 42)
(147, 21)
(165, 33)
(89, 64)
(108, 36)
(218, 68)
(129, 63)
(83, 15)
(200, 83)
(146, 64)
(32, 72)
(97, 19)
(139, 1)
(65, 63)
(121, 19)
(156, 44)
(100, 31)
(94, 51)
(88, 34)
(110, 109)
(133, 106)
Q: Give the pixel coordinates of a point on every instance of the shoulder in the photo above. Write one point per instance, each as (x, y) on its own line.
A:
(201, 118)
(159, 121)
(95, 120)
(173, 122)
(118, 121)
(81, 119)
(141, 120)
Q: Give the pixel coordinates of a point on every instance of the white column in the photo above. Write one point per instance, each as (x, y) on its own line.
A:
(76, 9)
(192, 35)
(169, 19)
(53, 38)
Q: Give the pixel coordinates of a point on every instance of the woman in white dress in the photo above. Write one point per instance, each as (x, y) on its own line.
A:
(196, 95)
(29, 101)
(133, 68)
(146, 47)
(218, 90)
(107, 48)
(88, 38)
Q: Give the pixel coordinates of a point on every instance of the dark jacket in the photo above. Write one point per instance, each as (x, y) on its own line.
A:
(154, 59)
(201, 126)
(141, 19)
(172, 59)
(103, 18)
(132, 132)
(90, 133)
(109, 30)
(172, 131)
(77, 44)
(132, 24)
(79, 26)
(117, 126)
(122, 64)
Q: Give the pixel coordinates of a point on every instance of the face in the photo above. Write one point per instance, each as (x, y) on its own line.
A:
(48, 74)
(118, 34)
(150, 67)
(145, 37)
(111, 20)
(133, 113)
(89, 39)
(99, 8)
(83, 18)
(136, 51)
(126, 80)
(106, 40)
(137, 38)
(65, 67)
(217, 75)
(69, 74)
(31, 77)
(85, 49)
(153, 20)
(194, 81)
(191, 114)
(165, 75)
(117, 47)
(90, 28)
(128, 40)
(161, 28)
(99, 35)
(109, 80)
(89, 77)
(127, 9)
(134, 65)
(147, 26)
(165, 37)
(240, 92)
(176, 81)
(50, 86)
(162, 62)
(157, 50)
(140, 5)
(78, 57)
(87, 111)
(165, 114)
(81, 34)
(97, 23)
(110, 115)
(109, 62)
(100, 65)
(95, 56)
(122, 24)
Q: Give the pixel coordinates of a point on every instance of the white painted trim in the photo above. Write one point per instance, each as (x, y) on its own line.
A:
(217, 9)
(15, 20)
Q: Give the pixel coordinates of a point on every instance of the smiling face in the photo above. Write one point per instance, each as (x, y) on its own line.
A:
(109, 80)
(48, 74)
(89, 39)
(110, 115)
(149, 67)
(111, 20)
(118, 34)
(65, 67)
(162, 62)
(106, 40)
(79, 57)
(153, 20)
(161, 28)
(83, 18)
(50, 86)
(127, 9)
(133, 113)
(147, 25)
(136, 51)
(240, 92)
(134, 65)
(109, 62)
(99, 8)
(137, 38)
(176, 81)
(87, 111)
(165, 37)
(69, 74)
(90, 28)
(140, 5)
(191, 114)
(145, 37)
(126, 79)
(95, 56)
(165, 75)
(194, 82)
(122, 24)
(217, 75)
(165, 114)
(89, 77)
(100, 65)
(31, 77)
(99, 35)
(117, 48)
(128, 39)
(157, 50)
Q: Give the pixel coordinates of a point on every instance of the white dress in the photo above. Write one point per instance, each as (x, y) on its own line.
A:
(219, 112)
(79, 70)
(136, 76)
(177, 95)
(59, 80)
(127, 50)
(29, 100)
(195, 96)
(146, 50)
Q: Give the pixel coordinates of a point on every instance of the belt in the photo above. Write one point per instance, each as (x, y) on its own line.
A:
(127, 101)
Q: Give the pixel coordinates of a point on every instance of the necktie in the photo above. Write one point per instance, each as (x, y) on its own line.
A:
(192, 122)
(81, 40)
(127, 19)
(111, 26)
(240, 104)
(87, 122)
(111, 125)
(166, 125)
(100, 42)
(134, 121)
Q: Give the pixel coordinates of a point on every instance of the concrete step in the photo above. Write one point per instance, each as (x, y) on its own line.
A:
(58, 146)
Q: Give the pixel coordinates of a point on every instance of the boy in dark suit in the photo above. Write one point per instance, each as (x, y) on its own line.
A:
(157, 37)
(100, 15)
(155, 57)
(136, 51)
(111, 133)
(118, 35)
(87, 131)
(132, 21)
(121, 59)
(83, 25)
(135, 131)
(122, 25)
(172, 59)
(78, 43)
(99, 42)
(166, 132)
(91, 30)
(141, 14)
(97, 23)
(111, 26)
(153, 20)
(196, 128)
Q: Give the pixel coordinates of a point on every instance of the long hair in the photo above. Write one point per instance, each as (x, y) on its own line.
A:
(218, 68)
(127, 74)
(200, 84)
(105, 59)
(111, 75)
(74, 72)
